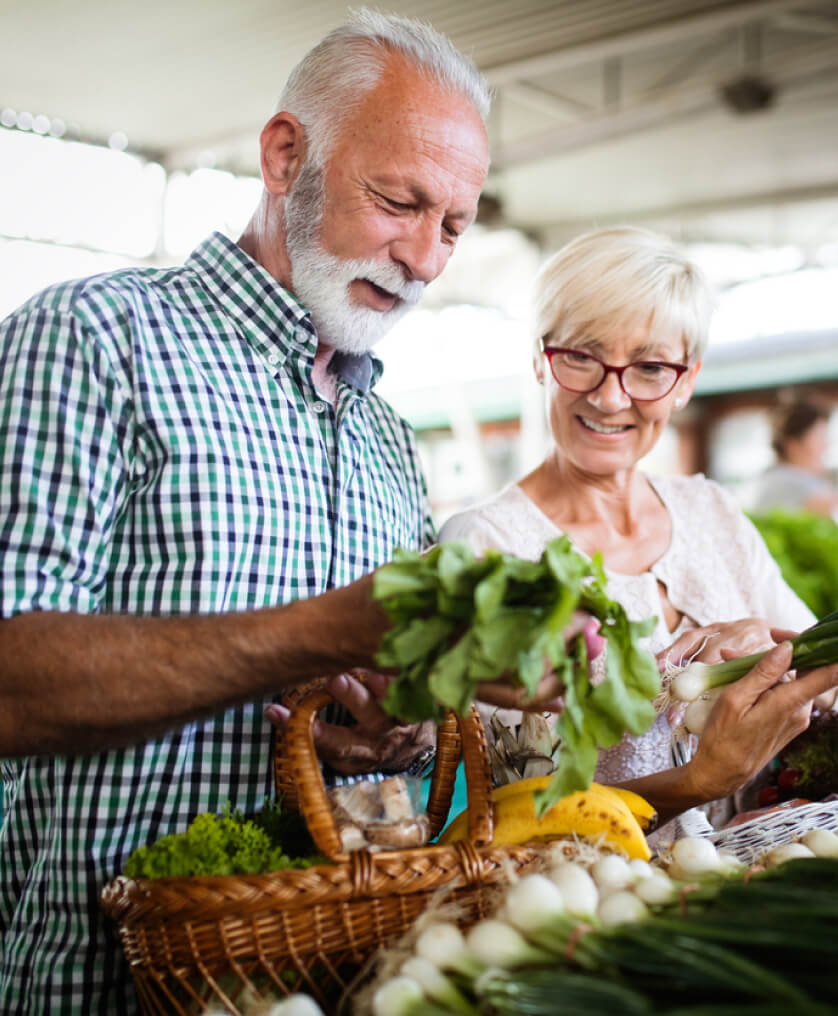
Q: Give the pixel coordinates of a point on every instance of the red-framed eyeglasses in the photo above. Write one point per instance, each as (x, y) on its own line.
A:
(642, 381)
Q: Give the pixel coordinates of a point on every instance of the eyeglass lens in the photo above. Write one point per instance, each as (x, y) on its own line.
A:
(643, 380)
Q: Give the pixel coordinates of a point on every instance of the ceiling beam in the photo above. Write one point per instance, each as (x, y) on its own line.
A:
(792, 76)
(810, 23)
(555, 233)
(669, 32)
(544, 101)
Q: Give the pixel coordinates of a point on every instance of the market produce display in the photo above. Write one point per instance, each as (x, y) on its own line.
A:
(808, 766)
(458, 620)
(696, 933)
(805, 546)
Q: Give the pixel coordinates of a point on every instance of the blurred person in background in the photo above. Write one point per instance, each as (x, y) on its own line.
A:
(621, 324)
(798, 481)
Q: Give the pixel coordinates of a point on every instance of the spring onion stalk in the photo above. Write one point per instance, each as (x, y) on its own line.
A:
(497, 944)
(698, 711)
(612, 873)
(436, 986)
(443, 945)
(536, 906)
(621, 907)
(578, 889)
(815, 647)
(822, 842)
(533, 902)
(656, 890)
(402, 996)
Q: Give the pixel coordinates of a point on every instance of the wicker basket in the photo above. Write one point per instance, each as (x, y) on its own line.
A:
(750, 840)
(199, 943)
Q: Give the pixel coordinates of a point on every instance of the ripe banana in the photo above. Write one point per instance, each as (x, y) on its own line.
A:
(639, 807)
(594, 812)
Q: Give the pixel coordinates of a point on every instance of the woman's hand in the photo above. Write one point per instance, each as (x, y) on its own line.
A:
(752, 721)
(722, 641)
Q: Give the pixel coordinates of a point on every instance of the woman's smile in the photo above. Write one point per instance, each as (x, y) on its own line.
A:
(604, 428)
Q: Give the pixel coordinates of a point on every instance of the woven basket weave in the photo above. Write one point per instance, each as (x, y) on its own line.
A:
(751, 840)
(196, 943)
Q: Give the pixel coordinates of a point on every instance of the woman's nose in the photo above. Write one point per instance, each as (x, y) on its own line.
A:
(609, 396)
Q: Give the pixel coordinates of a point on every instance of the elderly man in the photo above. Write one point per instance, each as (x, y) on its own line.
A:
(184, 451)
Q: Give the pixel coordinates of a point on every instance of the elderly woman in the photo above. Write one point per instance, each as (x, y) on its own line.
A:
(622, 322)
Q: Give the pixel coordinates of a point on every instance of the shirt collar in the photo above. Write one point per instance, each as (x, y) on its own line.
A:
(266, 313)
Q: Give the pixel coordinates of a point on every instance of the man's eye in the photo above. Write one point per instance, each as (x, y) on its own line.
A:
(399, 206)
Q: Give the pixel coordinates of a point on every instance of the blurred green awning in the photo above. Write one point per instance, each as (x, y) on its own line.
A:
(769, 361)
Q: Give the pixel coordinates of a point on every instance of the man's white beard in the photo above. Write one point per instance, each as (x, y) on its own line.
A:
(321, 281)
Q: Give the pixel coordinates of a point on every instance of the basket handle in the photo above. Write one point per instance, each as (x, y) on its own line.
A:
(311, 790)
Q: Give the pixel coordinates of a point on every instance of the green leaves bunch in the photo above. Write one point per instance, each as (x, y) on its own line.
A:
(228, 844)
(805, 547)
(458, 620)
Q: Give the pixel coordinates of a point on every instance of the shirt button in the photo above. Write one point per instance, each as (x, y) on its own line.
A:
(273, 359)
(319, 407)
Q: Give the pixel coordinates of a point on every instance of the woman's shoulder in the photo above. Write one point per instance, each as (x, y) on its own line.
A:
(708, 524)
(694, 494)
(497, 523)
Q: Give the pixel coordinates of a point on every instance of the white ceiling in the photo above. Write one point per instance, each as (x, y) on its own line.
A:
(606, 110)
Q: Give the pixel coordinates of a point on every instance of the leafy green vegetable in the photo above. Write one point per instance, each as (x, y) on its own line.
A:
(458, 620)
(228, 844)
(806, 549)
(813, 757)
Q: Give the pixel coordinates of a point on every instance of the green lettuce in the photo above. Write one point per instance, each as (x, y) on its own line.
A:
(458, 620)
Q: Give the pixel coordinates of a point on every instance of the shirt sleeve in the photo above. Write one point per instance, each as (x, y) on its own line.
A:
(61, 449)
(474, 529)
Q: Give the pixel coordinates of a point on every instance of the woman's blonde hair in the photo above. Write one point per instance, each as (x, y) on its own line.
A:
(613, 278)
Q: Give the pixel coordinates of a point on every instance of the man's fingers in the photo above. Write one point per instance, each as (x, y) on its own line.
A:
(377, 683)
(277, 715)
(360, 702)
(547, 697)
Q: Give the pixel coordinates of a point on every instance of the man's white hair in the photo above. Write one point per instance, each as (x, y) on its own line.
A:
(332, 79)
(613, 278)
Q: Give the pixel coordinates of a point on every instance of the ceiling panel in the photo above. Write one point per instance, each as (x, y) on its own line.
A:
(605, 109)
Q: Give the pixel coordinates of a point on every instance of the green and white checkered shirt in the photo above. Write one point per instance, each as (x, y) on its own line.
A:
(165, 452)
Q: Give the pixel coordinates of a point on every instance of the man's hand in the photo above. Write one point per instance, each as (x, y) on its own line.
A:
(753, 720)
(548, 695)
(375, 742)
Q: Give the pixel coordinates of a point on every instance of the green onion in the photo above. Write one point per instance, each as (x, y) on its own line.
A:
(815, 647)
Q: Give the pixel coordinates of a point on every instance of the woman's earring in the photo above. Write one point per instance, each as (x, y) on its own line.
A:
(678, 403)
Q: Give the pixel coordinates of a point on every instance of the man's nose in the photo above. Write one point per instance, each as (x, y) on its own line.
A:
(421, 251)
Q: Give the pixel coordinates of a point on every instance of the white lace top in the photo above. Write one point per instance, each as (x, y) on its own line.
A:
(716, 568)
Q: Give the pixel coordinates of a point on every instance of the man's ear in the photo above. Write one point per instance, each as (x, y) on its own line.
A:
(283, 151)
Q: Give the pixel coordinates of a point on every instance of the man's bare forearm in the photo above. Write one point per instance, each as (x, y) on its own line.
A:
(76, 683)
